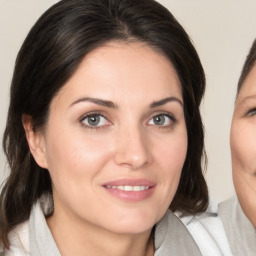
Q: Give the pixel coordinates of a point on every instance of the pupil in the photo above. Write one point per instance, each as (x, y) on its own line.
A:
(159, 120)
(94, 120)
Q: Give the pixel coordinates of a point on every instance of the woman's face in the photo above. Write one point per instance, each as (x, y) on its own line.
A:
(243, 146)
(116, 140)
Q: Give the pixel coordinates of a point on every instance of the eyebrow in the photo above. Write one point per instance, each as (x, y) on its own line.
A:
(164, 101)
(110, 104)
(100, 102)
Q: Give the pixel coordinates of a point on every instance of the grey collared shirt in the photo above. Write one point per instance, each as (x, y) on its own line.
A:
(200, 236)
(171, 236)
(240, 231)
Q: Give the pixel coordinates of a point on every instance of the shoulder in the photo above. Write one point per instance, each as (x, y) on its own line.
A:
(240, 231)
(233, 216)
(172, 237)
(230, 213)
(19, 241)
(230, 204)
(208, 231)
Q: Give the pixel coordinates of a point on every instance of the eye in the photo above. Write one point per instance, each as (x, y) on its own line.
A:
(252, 112)
(162, 120)
(94, 120)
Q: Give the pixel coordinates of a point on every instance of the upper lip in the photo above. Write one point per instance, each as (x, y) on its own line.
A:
(130, 182)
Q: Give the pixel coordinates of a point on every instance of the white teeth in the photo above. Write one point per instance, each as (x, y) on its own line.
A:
(129, 188)
(138, 188)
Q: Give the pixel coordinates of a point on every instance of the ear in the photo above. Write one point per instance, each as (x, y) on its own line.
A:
(36, 141)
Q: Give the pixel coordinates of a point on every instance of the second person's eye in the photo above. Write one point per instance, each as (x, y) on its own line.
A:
(252, 112)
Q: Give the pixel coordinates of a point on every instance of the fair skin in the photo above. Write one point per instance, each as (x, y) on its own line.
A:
(243, 146)
(114, 144)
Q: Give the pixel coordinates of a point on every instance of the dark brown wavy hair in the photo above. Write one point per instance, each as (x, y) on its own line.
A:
(50, 55)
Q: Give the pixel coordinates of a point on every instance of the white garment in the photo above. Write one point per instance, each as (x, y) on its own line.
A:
(205, 237)
(19, 241)
(208, 232)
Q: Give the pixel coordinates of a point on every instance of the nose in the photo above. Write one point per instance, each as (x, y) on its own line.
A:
(133, 149)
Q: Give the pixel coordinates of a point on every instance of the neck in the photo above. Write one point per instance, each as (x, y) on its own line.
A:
(81, 238)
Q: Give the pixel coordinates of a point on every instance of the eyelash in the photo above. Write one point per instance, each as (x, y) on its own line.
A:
(251, 112)
(93, 114)
(173, 120)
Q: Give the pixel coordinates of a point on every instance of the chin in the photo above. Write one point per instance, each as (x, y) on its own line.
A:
(133, 225)
(132, 228)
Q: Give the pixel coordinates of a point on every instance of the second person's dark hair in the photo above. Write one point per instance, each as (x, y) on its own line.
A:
(248, 65)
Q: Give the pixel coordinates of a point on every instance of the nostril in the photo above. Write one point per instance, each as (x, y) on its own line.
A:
(132, 148)
(132, 159)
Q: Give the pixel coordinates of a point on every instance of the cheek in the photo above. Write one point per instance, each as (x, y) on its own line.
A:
(243, 147)
(75, 155)
(172, 155)
(171, 159)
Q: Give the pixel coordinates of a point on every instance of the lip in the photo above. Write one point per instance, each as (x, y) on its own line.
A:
(130, 182)
(130, 196)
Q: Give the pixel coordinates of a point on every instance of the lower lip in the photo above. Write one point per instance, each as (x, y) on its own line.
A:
(131, 196)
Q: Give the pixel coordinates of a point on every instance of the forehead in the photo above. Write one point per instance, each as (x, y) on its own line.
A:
(121, 68)
(125, 53)
(248, 88)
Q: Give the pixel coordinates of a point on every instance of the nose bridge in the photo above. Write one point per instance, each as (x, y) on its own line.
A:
(132, 147)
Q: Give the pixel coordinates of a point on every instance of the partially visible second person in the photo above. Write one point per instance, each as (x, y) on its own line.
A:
(239, 213)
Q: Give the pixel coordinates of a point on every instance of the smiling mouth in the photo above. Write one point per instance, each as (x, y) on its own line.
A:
(129, 188)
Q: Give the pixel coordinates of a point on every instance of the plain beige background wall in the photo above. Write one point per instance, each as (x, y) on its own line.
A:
(222, 31)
